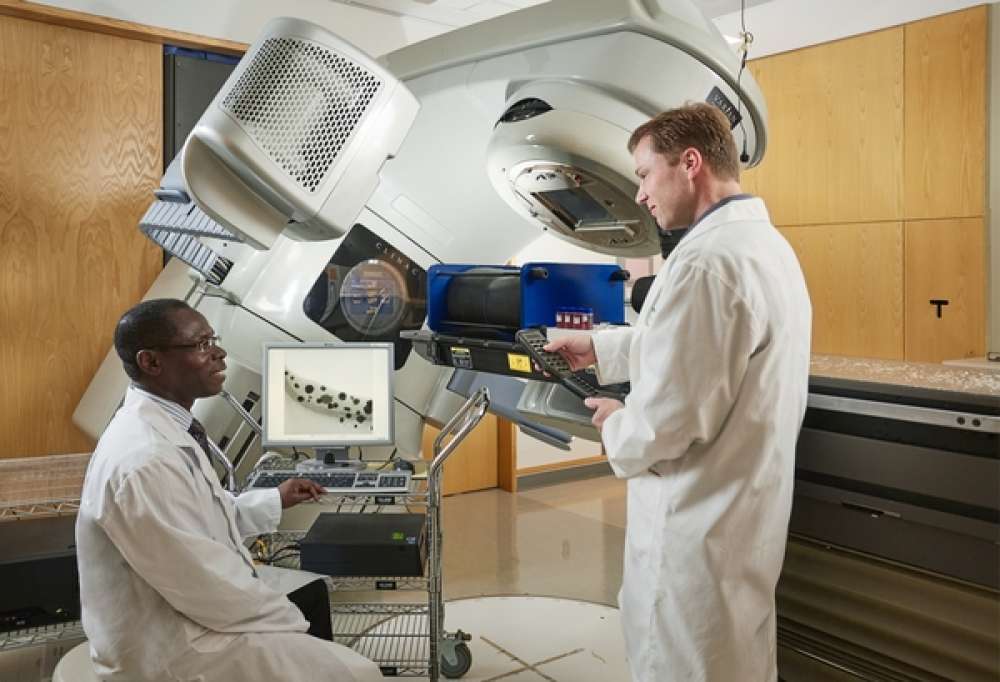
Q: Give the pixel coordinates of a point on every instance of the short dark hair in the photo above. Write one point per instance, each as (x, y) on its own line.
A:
(697, 125)
(143, 326)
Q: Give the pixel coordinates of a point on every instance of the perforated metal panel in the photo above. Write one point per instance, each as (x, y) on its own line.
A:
(300, 102)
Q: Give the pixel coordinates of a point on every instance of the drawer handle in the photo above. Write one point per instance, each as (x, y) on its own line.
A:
(874, 512)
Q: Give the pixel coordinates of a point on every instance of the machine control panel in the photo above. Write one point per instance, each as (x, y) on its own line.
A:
(534, 341)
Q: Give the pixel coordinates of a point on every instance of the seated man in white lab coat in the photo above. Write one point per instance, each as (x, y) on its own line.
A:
(167, 589)
(719, 365)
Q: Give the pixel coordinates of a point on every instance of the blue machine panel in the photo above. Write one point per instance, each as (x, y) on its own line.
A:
(598, 287)
(544, 288)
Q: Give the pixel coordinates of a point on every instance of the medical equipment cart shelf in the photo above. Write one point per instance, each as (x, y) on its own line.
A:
(405, 639)
(38, 488)
(33, 487)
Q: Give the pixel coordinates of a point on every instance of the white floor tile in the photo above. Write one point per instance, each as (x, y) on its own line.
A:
(535, 629)
(533, 639)
(588, 665)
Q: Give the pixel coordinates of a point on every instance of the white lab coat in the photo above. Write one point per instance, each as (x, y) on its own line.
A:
(167, 589)
(719, 365)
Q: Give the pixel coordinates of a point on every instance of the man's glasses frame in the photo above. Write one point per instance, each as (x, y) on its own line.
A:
(201, 346)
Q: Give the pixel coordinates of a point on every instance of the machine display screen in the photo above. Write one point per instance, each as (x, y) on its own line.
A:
(327, 395)
(575, 206)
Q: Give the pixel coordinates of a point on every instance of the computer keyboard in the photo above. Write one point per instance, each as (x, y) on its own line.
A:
(340, 482)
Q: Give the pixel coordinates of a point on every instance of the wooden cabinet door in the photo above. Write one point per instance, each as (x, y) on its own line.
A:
(855, 279)
(945, 140)
(945, 261)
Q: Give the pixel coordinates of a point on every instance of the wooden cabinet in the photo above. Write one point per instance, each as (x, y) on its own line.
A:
(855, 277)
(945, 137)
(945, 261)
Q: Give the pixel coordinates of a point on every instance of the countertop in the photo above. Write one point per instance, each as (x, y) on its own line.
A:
(985, 382)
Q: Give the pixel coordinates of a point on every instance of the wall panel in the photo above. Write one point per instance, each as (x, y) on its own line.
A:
(945, 135)
(80, 152)
(866, 133)
(855, 277)
(836, 126)
(945, 260)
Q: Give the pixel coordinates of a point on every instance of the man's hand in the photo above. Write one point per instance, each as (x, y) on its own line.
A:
(603, 408)
(296, 490)
(578, 351)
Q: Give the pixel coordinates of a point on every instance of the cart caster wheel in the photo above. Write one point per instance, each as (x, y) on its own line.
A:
(461, 665)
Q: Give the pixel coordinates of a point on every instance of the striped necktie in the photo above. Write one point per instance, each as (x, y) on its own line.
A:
(197, 432)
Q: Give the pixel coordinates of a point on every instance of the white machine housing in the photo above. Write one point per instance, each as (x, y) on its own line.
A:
(442, 167)
(295, 138)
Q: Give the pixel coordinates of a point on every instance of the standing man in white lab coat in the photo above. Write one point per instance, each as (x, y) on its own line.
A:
(167, 589)
(719, 366)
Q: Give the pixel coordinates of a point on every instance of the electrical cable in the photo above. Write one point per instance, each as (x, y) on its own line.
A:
(258, 547)
(389, 461)
(747, 39)
(288, 549)
(283, 553)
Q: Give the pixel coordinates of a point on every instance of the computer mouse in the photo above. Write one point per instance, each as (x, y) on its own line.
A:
(402, 465)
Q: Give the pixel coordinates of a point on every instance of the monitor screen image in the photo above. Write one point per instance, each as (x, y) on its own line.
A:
(327, 394)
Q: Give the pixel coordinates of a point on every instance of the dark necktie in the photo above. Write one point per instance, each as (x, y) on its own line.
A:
(197, 432)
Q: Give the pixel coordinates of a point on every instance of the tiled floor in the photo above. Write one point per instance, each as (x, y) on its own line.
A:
(559, 541)
(563, 541)
(534, 578)
(525, 638)
(540, 638)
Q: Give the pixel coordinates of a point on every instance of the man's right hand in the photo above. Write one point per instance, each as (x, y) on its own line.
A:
(296, 490)
(577, 350)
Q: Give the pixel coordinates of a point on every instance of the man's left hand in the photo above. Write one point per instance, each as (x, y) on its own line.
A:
(296, 490)
(603, 408)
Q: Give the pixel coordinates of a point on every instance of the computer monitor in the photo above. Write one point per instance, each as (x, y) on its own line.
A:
(327, 395)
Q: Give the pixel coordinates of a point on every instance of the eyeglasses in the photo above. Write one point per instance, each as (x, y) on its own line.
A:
(202, 346)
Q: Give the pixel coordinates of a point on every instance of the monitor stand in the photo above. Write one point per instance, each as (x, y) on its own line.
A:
(335, 458)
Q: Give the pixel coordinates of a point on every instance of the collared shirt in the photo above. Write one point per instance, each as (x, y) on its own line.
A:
(180, 415)
(670, 239)
(719, 204)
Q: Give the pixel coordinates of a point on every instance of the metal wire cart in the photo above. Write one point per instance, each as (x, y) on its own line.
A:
(405, 639)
